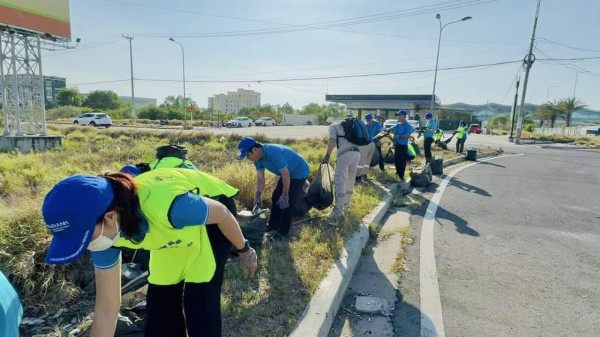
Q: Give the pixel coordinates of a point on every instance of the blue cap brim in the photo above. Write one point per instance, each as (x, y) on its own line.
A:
(71, 210)
(63, 251)
(242, 155)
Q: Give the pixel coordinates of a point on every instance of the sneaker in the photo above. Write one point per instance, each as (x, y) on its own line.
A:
(336, 214)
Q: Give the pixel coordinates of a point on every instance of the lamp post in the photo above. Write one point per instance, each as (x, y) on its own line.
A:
(548, 92)
(439, 17)
(184, 97)
(577, 75)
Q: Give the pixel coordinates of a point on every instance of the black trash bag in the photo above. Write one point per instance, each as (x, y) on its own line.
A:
(320, 192)
(421, 177)
(437, 166)
(389, 157)
(374, 159)
(254, 229)
(472, 154)
(300, 205)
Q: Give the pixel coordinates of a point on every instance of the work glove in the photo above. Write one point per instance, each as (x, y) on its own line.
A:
(284, 201)
(325, 159)
(257, 200)
(248, 262)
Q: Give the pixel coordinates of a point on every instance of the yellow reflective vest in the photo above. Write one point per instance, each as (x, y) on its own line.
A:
(157, 189)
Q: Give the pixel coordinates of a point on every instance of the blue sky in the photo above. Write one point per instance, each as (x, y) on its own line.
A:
(499, 31)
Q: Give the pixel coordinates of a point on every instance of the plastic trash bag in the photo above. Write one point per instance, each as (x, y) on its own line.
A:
(320, 192)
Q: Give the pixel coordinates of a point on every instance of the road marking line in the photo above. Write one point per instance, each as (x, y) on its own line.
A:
(432, 321)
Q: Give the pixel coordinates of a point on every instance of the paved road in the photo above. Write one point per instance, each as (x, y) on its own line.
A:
(517, 248)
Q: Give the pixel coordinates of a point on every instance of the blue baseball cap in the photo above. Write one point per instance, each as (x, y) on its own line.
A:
(401, 112)
(244, 146)
(462, 123)
(70, 211)
(428, 115)
(131, 169)
(368, 117)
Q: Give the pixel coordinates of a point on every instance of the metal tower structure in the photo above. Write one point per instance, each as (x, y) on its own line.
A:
(22, 84)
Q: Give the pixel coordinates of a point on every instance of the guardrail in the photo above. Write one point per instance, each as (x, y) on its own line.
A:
(569, 131)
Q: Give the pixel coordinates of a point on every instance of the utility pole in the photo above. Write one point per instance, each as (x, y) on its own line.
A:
(528, 63)
(130, 37)
(514, 110)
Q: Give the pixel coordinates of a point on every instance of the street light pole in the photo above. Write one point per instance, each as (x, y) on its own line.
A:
(184, 97)
(437, 58)
(130, 37)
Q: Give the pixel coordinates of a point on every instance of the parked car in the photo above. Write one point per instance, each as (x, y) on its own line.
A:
(265, 121)
(94, 119)
(239, 122)
(389, 123)
(475, 128)
(414, 123)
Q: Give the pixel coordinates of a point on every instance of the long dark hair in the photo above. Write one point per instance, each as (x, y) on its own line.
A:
(125, 202)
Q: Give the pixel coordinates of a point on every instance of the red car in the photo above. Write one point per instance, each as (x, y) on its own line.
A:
(475, 128)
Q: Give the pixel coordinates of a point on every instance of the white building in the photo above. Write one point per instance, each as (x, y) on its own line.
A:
(233, 101)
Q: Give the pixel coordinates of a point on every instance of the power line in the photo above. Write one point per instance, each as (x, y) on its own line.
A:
(566, 46)
(327, 25)
(338, 76)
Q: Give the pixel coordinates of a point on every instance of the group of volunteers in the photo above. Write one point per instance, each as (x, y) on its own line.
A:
(187, 220)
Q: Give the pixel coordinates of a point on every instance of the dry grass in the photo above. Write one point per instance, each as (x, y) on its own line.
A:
(289, 271)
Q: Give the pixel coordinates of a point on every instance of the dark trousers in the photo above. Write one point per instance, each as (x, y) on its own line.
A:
(193, 307)
(281, 219)
(400, 158)
(381, 159)
(427, 144)
(460, 144)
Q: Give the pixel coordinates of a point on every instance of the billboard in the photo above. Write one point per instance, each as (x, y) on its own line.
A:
(46, 16)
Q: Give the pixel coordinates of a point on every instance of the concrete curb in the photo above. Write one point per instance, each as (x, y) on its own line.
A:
(318, 316)
(320, 312)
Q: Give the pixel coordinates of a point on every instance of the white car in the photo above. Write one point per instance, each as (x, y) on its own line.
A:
(94, 119)
(414, 123)
(239, 122)
(389, 123)
(265, 121)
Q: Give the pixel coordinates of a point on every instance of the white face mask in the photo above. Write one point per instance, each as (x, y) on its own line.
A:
(104, 242)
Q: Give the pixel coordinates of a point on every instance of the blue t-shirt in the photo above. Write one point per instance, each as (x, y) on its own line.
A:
(187, 210)
(401, 129)
(374, 129)
(11, 310)
(276, 157)
(430, 125)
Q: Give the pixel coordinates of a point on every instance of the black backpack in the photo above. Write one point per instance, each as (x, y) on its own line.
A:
(356, 131)
(177, 151)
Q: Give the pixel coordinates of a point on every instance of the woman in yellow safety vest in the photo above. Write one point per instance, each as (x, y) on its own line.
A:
(166, 211)
(461, 136)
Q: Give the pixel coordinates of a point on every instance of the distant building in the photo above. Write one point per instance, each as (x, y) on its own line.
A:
(385, 106)
(52, 86)
(233, 101)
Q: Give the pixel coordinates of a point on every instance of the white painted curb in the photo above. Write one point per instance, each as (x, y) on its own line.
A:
(320, 312)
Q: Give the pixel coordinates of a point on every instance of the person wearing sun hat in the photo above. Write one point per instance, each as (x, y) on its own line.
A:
(292, 170)
(164, 211)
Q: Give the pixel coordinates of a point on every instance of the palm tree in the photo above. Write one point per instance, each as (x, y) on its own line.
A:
(549, 111)
(568, 106)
